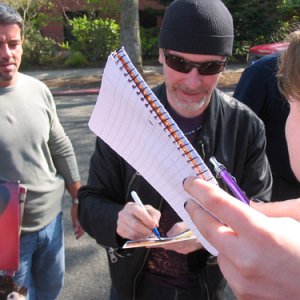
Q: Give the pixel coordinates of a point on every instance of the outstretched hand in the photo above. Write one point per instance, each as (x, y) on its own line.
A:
(256, 253)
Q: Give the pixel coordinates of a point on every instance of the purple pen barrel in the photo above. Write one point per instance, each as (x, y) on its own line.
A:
(229, 180)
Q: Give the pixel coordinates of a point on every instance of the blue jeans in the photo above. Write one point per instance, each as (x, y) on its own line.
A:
(42, 261)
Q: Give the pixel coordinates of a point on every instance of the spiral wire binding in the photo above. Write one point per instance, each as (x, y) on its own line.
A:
(160, 112)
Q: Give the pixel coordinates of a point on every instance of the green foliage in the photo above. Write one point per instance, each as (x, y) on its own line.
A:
(64, 45)
(37, 50)
(149, 42)
(290, 4)
(261, 22)
(109, 8)
(94, 38)
(32, 11)
(76, 59)
(255, 22)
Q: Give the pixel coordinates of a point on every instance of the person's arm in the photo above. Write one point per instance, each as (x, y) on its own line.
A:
(64, 159)
(288, 208)
(255, 177)
(101, 199)
(258, 255)
(106, 210)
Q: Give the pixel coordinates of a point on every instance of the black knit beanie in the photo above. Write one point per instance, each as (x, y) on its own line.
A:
(197, 27)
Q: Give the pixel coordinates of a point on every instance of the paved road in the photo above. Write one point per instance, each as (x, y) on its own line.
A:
(87, 276)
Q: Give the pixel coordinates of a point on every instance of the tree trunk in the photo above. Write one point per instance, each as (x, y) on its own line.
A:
(130, 31)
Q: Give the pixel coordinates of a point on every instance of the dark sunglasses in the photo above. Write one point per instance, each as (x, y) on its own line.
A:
(185, 66)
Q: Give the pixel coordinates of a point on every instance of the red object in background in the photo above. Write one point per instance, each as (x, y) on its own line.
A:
(259, 51)
(9, 225)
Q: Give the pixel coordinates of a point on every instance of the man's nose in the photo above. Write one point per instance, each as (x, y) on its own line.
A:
(194, 79)
(5, 51)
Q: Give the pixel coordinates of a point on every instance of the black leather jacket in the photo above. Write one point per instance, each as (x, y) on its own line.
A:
(232, 133)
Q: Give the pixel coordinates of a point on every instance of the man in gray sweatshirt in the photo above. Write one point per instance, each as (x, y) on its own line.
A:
(35, 150)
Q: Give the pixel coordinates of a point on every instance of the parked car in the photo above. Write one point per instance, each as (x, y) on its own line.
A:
(259, 51)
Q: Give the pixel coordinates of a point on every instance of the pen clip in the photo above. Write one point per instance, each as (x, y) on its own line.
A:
(218, 167)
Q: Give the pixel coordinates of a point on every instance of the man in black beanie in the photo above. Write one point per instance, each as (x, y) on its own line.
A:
(195, 41)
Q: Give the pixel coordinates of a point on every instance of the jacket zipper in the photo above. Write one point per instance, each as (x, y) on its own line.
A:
(145, 259)
(113, 254)
(202, 150)
(148, 250)
(205, 286)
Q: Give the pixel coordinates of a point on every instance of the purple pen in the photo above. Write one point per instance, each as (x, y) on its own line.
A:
(229, 180)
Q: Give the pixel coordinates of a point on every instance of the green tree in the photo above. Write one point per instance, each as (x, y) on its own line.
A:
(261, 22)
(31, 10)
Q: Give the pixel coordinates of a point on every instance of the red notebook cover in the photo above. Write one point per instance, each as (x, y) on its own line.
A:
(9, 225)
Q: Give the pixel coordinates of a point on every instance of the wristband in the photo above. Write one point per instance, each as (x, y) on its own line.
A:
(75, 201)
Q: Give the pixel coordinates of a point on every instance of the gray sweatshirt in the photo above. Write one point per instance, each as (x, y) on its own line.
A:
(35, 149)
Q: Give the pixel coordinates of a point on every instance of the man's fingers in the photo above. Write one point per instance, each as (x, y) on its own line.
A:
(154, 214)
(212, 230)
(229, 210)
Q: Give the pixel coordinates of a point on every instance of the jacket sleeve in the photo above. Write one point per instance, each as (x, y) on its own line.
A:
(252, 89)
(101, 199)
(236, 136)
(256, 178)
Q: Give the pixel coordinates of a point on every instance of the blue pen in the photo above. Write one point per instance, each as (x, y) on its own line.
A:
(139, 202)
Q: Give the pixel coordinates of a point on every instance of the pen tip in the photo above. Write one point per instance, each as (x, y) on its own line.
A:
(156, 232)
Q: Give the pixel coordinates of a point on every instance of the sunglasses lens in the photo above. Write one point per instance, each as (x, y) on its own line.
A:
(181, 65)
(211, 68)
(177, 63)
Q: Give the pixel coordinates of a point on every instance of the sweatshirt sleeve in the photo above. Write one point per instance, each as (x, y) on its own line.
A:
(61, 148)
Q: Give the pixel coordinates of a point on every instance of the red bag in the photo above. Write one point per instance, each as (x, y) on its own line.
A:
(11, 210)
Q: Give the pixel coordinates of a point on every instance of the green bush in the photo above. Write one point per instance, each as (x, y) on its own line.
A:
(149, 42)
(37, 50)
(76, 59)
(96, 39)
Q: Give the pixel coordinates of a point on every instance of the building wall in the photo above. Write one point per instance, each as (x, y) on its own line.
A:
(55, 28)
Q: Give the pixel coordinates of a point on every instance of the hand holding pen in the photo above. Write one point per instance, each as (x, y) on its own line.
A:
(138, 201)
(135, 221)
(229, 180)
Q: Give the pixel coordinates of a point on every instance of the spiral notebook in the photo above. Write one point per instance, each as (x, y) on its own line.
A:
(133, 122)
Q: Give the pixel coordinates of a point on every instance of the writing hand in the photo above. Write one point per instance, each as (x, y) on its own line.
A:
(136, 223)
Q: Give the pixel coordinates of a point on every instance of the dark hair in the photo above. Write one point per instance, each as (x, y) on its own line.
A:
(9, 15)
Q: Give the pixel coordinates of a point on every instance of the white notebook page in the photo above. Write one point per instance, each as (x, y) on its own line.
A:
(132, 121)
